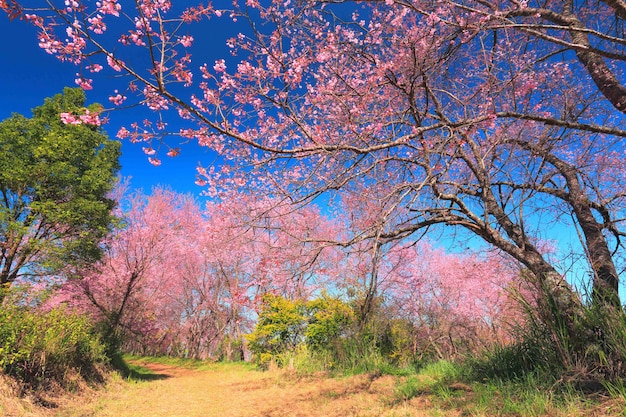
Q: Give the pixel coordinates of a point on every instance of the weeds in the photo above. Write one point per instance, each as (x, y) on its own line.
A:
(44, 348)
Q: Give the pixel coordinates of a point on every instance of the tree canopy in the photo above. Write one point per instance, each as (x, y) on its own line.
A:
(54, 184)
(493, 118)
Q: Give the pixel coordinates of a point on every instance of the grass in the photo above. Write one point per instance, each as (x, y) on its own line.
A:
(446, 385)
(180, 387)
(164, 360)
(435, 377)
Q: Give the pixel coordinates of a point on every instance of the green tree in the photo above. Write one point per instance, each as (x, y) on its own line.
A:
(329, 318)
(54, 181)
(280, 328)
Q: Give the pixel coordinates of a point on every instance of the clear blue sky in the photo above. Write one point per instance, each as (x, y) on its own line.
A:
(28, 75)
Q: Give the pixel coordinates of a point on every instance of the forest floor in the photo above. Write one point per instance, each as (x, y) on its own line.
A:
(238, 390)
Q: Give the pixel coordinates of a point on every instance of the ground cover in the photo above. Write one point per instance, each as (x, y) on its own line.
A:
(176, 388)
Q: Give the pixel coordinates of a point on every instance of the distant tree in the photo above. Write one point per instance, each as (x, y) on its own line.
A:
(54, 181)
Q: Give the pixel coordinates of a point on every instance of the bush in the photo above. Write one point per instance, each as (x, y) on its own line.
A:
(43, 348)
(325, 333)
(328, 319)
(286, 328)
(588, 356)
(280, 329)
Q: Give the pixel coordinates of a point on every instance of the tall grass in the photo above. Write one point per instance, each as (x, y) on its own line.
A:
(42, 349)
(586, 349)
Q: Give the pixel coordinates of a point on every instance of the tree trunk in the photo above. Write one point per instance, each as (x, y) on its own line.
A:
(605, 279)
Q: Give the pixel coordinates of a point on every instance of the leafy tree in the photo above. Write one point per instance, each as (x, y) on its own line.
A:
(280, 328)
(328, 320)
(54, 181)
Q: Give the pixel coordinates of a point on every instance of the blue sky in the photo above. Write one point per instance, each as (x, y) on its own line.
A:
(28, 75)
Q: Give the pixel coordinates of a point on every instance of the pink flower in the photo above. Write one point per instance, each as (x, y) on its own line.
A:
(94, 68)
(109, 7)
(220, 66)
(117, 99)
(97, 25)
(114, 63)
(153, 100)
(69, 119)
(71, 4)
(122, 133)
(186, 41)
(87, 118)
(90, 118)
(84, 83)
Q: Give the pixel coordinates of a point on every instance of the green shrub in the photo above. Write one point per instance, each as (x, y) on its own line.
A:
(41, 348)
(328, 320)
(280, 328)
(325, 332)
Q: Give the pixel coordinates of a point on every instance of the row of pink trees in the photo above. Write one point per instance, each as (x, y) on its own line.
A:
(183, 280)
(455, 302)
(177, 279)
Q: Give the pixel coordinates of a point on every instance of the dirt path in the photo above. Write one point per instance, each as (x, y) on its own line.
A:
(237, 391)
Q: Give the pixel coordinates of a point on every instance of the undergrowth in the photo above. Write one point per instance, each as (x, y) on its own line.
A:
(47, 349)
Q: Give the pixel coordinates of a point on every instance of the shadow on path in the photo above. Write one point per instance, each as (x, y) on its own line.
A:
(144, 374)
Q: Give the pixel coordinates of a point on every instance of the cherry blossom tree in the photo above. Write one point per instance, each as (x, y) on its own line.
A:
(249, 248)
(140, 269)
(455, 302)
(496, 118)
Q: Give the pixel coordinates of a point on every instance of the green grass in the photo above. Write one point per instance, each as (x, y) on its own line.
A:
(131, 365)
(452, 387)
(433, 378)
(167, 360)
(448, 387)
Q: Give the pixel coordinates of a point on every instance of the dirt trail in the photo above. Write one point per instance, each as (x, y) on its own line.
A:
(235, 391)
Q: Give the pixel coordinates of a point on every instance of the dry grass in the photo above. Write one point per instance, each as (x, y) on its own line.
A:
(11, 405)
(236, 390)
(15, 401)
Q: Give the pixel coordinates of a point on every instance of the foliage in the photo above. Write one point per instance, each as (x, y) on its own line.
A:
(54, 182)
(280, 328)
(329, 319)
(590, 357)
(323, 333)
(46, 348)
